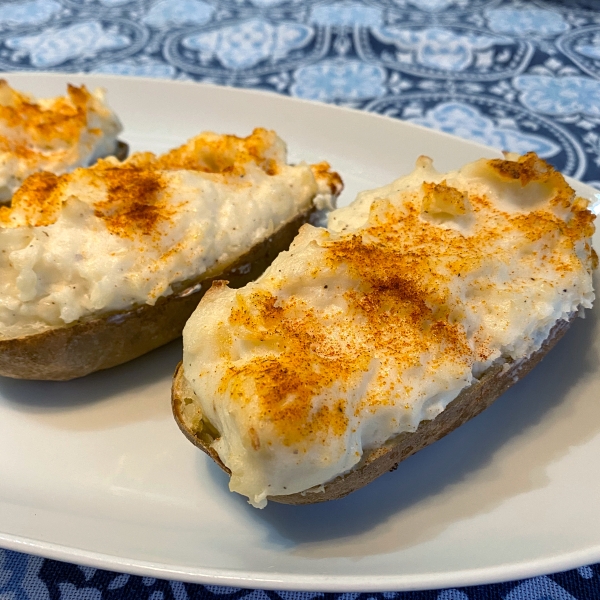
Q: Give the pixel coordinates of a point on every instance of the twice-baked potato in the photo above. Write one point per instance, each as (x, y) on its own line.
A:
(53, 134)
(106, 263)
(420, 304)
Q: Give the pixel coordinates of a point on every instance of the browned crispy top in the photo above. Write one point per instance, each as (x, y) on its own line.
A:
(225, 154)
(39, 200)
(322, 172)
(28, 124)
(136, 203)
(136, 200)
(398, 308)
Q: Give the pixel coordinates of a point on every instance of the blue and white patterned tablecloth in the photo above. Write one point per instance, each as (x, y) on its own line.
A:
(518, 75)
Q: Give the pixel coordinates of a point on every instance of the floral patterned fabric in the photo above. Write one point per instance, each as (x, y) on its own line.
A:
(24, 577)
(507, 73)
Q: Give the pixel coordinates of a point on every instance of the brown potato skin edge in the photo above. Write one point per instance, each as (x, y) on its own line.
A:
(122, 151)
(468, 404)
(92, 344)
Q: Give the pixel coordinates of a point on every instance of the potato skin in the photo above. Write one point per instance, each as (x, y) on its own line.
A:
(468, 404)
(122, 150)
(110, 339)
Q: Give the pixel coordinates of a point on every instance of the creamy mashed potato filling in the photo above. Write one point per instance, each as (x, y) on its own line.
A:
(363, 330)
(116, 235)
(52, 134)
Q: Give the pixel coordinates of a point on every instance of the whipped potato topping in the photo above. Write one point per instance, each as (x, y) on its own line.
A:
(362, 330)
(52, 134)
(116, 235)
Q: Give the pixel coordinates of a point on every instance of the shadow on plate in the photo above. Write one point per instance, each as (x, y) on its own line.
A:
(502, 453)
(127, 388)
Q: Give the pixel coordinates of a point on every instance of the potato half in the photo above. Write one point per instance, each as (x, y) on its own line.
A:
(376, 462)
(110, 339)
(419, 305)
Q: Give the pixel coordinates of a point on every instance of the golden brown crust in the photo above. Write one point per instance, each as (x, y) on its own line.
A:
(111, 339)
(468, 404)
(121, 153)
(62, 120)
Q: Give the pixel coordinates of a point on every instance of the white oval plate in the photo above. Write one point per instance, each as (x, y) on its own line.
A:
(95, 471)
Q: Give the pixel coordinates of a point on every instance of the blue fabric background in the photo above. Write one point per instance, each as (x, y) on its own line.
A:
(512, 74)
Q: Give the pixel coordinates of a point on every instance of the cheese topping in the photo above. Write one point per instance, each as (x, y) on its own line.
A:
(116, 235)
(52, 134)
(362, 330)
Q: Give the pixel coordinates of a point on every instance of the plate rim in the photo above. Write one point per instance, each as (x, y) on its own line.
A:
(315, 104)
(303, 583)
